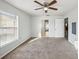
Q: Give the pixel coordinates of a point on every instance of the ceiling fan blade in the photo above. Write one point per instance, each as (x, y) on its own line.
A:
(38, 8)
(53, 2)
(53, 8)
(38, 3)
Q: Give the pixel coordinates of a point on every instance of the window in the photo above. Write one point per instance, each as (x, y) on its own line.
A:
(8, 28)
(74, 28)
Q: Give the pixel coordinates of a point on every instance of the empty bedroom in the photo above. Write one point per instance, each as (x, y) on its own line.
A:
(38, 29)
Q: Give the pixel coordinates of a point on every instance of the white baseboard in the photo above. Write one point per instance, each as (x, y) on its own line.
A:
(2, 55)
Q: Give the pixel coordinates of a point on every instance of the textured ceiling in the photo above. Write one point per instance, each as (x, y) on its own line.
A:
(28, 6)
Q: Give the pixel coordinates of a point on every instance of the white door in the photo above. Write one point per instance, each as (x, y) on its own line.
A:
(59, 27)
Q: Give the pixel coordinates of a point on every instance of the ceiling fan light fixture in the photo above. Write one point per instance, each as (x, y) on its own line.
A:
(46, 5)
(45, 8)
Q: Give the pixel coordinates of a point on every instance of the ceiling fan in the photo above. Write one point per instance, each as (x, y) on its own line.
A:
(46, 5)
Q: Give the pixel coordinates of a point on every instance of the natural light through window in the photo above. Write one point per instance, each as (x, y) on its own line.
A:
(8, 28)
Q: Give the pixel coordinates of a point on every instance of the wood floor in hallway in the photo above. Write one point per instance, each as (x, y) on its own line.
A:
(44, 48)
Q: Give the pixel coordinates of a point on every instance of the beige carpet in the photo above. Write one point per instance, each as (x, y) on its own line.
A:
(44, 48)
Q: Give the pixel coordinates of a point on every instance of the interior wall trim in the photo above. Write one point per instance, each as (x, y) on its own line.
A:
(15, 47)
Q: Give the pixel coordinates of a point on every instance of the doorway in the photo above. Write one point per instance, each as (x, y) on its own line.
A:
(66, 28)
(45, 28)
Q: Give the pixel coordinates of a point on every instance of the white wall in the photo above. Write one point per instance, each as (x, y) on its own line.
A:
(72, 17)
(59, 28)
(36, 25)
(24, 26)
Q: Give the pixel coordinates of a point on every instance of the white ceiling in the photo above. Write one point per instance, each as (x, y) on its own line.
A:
(28, 6)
